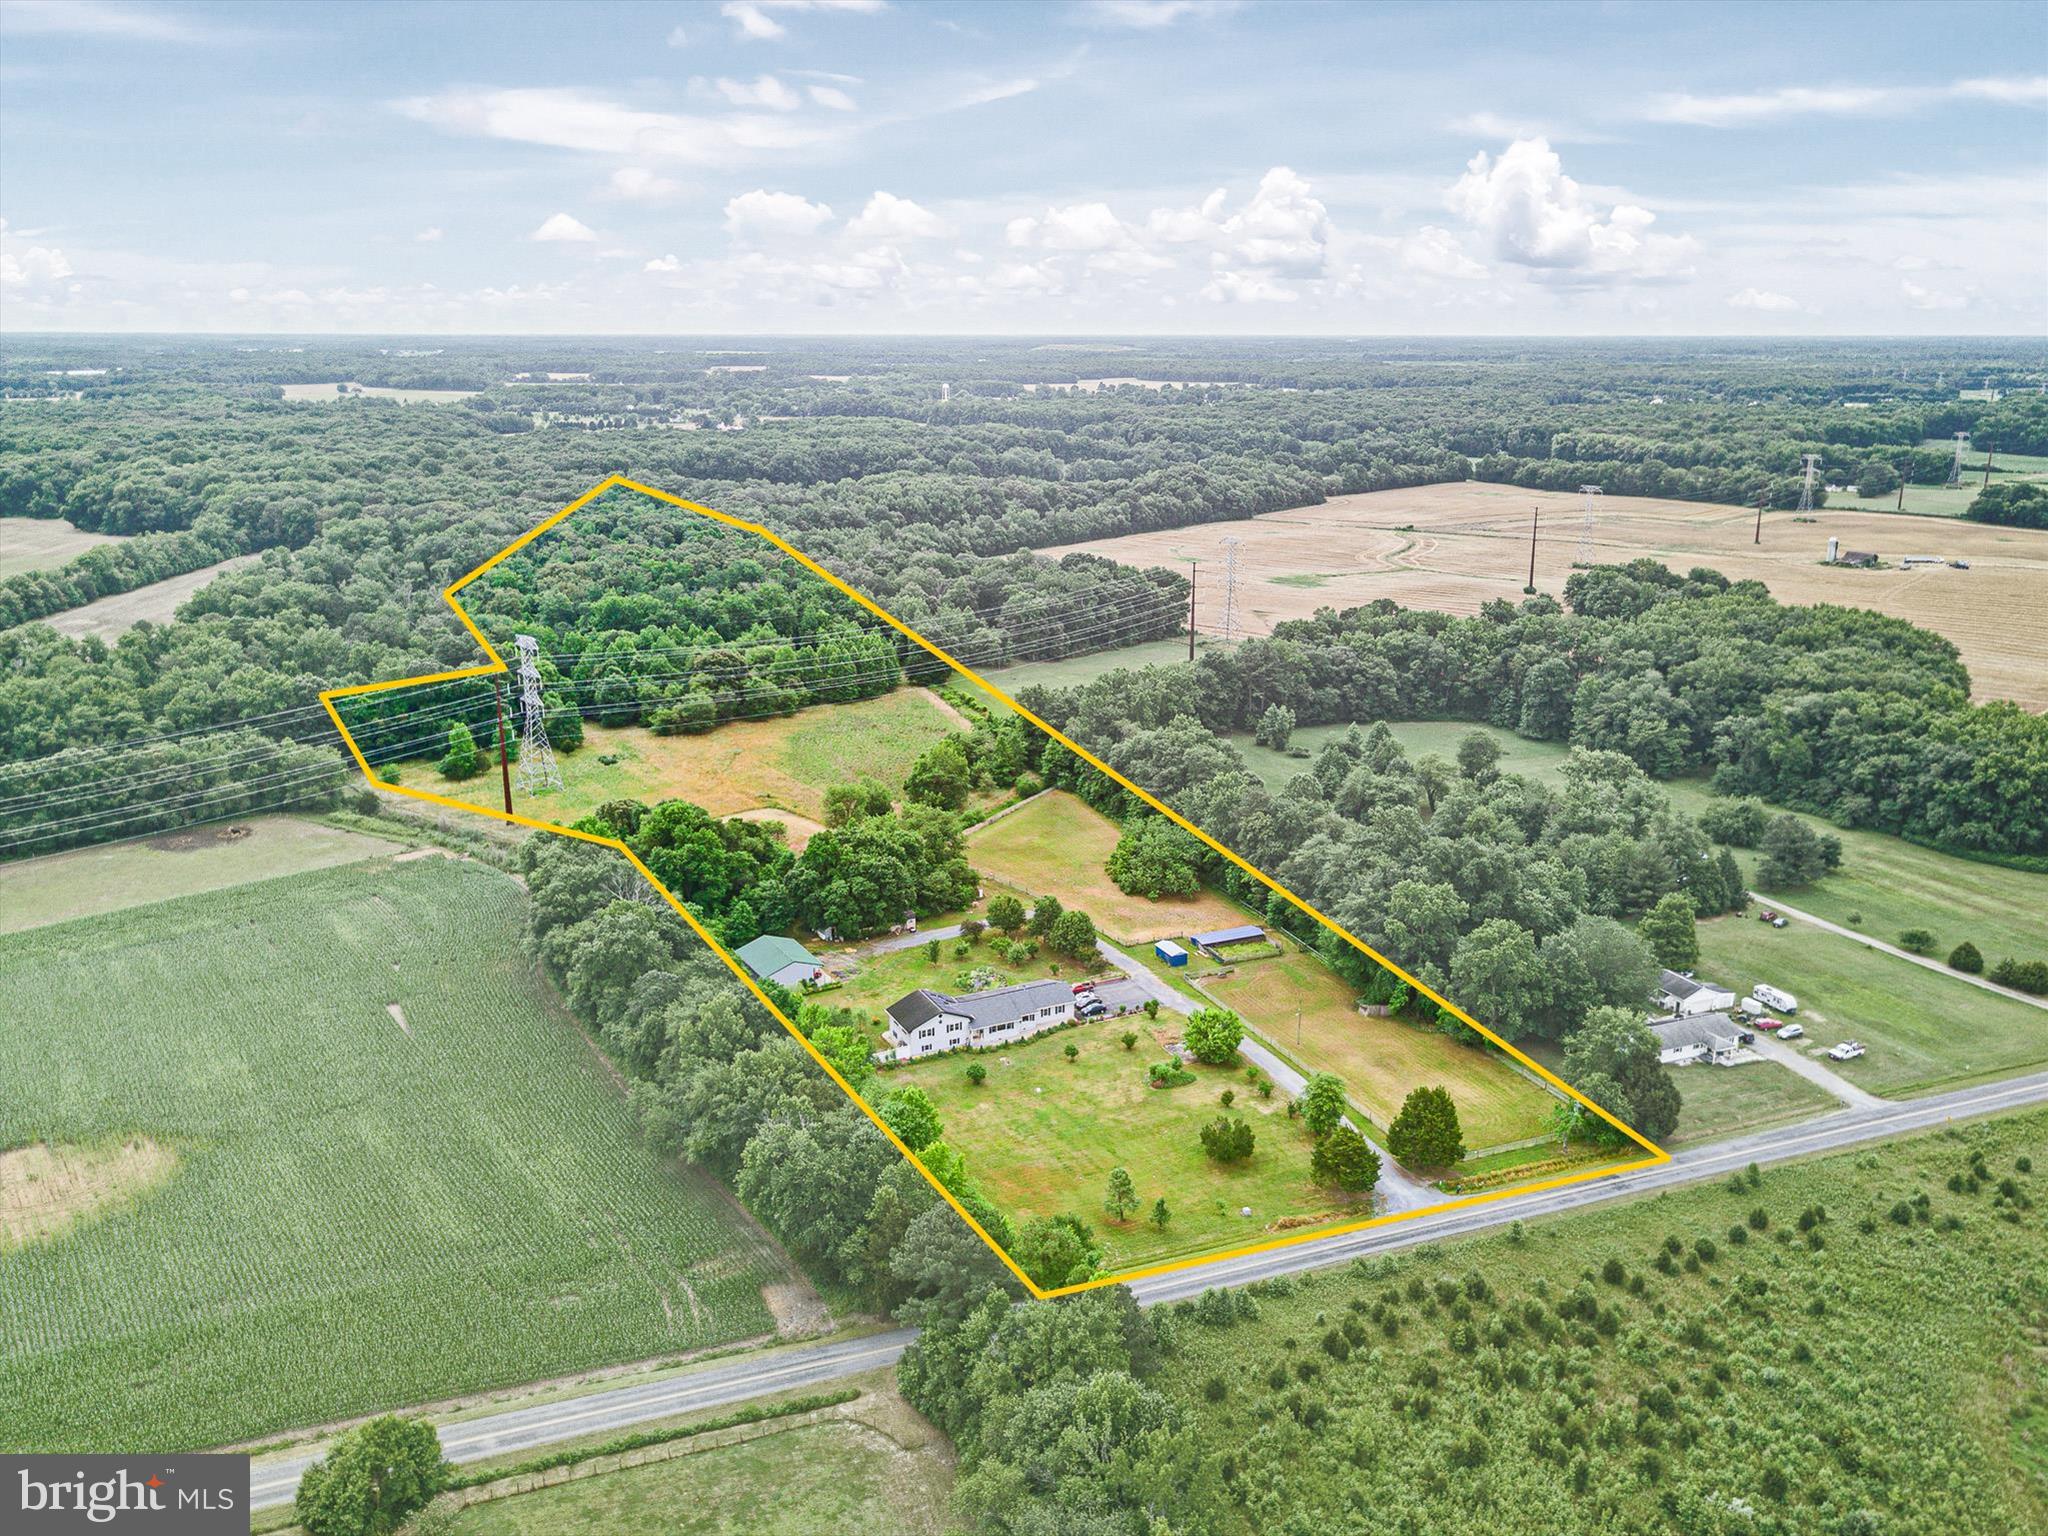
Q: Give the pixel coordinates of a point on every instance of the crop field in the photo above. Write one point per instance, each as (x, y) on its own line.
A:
(86, 881)
(111, 617)
(402, 1173)
(42, 543)
(1718, 1102)
(1043, 1133)
(1926, 1031)
(1454, 547)
(1381, 1059)
(783, 764)
(1059, 846)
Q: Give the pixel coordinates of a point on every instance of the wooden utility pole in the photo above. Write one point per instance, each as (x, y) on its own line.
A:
(1903, 468)
(1990, 452)
(1533, 512)
(1193, 566)
(504, 768)
(1762, 496)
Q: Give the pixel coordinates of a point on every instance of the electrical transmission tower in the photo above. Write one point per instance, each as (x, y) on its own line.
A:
(537, 770)
(1955, 470)
(1812, 462)
(1229, 590)
(1585, 555)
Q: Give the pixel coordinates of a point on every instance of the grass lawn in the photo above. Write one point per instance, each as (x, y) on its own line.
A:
(1058, 846)
(1886, 884)
(1728, 1101)
(1380, 1060)
(873, 983)
(1539, 760)
(1043, 1133)
(787, 763)
(87, 881)
(370, 1208)
(1075, 670)
(1925, 1030)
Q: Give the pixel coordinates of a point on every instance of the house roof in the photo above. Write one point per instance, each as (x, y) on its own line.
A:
(771, 952)
(1671, 984)
(1236, 935)
(1707, 1029)
(998, 1005)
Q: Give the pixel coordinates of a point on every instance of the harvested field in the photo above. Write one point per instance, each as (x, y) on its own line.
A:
(1454, 547)
(42, 543)
(111, 617)
(45, 1190)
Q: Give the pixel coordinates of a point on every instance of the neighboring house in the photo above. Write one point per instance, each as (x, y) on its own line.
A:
(1709, 1037)
(784, 961)
(1684, 995)
(1247, 934)
(927, 1022)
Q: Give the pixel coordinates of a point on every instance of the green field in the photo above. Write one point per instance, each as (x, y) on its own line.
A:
(787, 763)
(1925, 1030)
(1058, 845)
(1731, 1101)
(1881, 1366)
(62, 886)
(1948, 501)
(365, 1213)
(1380, 1059)
(1075, 670)
(1043, 1133)
(1539, 760)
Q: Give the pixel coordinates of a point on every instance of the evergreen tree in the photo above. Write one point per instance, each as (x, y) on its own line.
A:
(1425, 1134)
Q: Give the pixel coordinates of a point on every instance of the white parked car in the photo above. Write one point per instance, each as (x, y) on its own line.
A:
(1848, 1050)
(1791, 1031)
(1771, 997)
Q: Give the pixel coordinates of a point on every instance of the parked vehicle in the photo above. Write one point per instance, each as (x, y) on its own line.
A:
(1767, 916)
(1765, 1021)
(1091, 1007)
(1777, 922)
(1753, 1009)
(1771, 997)
(1791, 1031)
(1083, 986)
(1848, 1050)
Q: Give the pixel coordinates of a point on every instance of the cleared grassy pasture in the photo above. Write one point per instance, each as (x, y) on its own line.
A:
(63, 886)
(112, 617)
(366, 1213)
(42, 543)
(1925, 1031)
(1381, 1059)
(1539, 760)
(1059, 846)
(1730, 1101)
(1074, 670)
(1043, 1133)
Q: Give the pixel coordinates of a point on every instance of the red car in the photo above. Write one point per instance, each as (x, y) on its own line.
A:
(1767, 1022)
(1083, 986)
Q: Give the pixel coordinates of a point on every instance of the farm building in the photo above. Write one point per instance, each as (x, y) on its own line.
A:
(1170, 952)
(1246, 933)
(1709, 1037)
(783, 961)
(1682, 995)
(927, 1022)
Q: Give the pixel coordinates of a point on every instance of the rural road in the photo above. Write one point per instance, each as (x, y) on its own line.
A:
(1904, 954)
(739, 1379)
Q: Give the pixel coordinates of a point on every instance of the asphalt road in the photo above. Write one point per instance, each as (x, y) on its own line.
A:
(745, 1377)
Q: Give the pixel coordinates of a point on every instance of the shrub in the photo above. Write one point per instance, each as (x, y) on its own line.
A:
(1918, 940)
(1129, 1039)
(1006, 913)
(462, 760)
(1227, 1139)
(1213, 1034)
(977, 1074)
(2022, 975)
(1965, 958)
(1072, 1050)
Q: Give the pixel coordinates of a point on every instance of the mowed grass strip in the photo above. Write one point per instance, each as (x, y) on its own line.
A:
(1925, 1030)
(361, 1217)
(1058, 845)
(1728, 1101)
(1042, 1133)
(1380, 1059)
(788, 762)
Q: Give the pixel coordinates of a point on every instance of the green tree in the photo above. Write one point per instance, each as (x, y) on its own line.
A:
(1072, 1051)
(1006, 913)
(849, 1050)
(1478, 757)
(1275, 726)
(1227, 1139)
(912, 1115)
(941, 777)
(1160, 1214)
(1668, 929)
(1045, 911)
(461, 760)
(1740, 823)
(1345, 1160)
(1322, 1103)
(1965, 958)
(1498, 977)
(372, 1478)
(1425, 1134)
(1612, 1059)
(977, 1074)
(847, 803)
(1732, 888)
(1122, 1196)
(1056, 1251)
(1155, 858)
(1793, 854)
(1212, 1035)
(1073, 936)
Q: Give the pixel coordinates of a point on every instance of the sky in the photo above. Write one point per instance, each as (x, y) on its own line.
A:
(1118, 167)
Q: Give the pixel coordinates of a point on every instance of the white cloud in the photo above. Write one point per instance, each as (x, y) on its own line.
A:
(1283, 227)
(831, 98)
(765, 91)
(637, 184)
(1741, 109)
(1436, 252)
(562, 228)
(1918, 297)
(89, 18)
(565, 118)
(1533, 215)
(30, 266)
(678, 38)
(429, 235)
(1763, 299)
(888, 217)
(1149, 15)
(663, 264)
(761, 215)
(753, 18)
(1228, 287)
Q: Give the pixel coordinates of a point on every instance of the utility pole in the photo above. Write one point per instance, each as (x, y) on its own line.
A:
(1297, 1026)
(537, 770)
(1903, 470)
(1763, 495)
(504, 768)
(1193, 566)
(1990, 452)
(1533, 511)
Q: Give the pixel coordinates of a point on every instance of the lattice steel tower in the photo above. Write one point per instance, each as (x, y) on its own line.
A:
(1585, 554)
(1812, 462)
(1229, 590)
(1955, 470)
(537, 770)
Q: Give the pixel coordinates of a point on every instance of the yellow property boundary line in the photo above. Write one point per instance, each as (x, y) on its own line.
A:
(497, 665)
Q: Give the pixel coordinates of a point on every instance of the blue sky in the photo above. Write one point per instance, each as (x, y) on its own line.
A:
(1131, 166)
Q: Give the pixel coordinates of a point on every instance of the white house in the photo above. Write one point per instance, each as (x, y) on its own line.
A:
(927, 1022)
(1676, 993)
(1709, 1037)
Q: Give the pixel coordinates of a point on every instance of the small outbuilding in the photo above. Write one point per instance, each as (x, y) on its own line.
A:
(1678, 993)
(1247, 933)
(1170, 952)
(783, 961)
